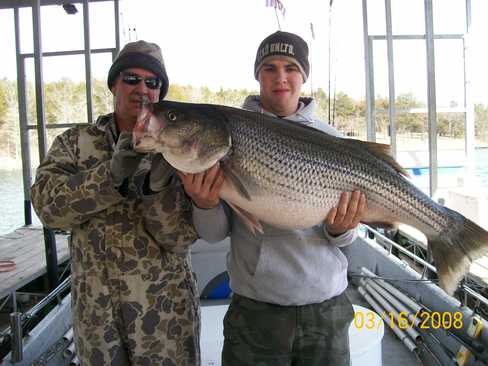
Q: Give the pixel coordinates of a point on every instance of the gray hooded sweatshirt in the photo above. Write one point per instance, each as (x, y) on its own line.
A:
(285, 267)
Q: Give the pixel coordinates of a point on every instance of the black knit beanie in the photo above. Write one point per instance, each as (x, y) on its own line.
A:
(284, 44)
(144, 55)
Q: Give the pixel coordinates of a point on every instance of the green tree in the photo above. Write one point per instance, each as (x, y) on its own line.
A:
(381, 115)
(65, 102)
(450, 124)
(9, 135)
(5, 99)
(322, 101)
(102, 98)
(406, 118)
(345, 112)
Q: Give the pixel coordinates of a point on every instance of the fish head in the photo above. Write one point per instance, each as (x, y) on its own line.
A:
(191, 137)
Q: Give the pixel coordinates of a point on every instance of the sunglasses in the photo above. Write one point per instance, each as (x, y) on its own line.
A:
(132, 79)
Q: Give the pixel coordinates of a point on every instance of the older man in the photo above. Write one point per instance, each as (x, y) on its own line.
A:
(134, 297)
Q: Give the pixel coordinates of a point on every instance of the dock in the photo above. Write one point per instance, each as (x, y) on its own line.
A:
(25, 247)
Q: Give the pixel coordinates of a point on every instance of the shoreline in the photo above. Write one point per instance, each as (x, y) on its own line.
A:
(405, 144)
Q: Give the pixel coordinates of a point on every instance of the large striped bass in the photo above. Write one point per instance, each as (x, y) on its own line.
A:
(290, 176)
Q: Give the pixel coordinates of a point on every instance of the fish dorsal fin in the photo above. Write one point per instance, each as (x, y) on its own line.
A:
(382, 151)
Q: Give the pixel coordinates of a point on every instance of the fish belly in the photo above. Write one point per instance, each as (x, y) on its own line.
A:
(279, 210)
(289, 209)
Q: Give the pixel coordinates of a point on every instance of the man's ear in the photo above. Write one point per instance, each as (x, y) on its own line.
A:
(112, 90)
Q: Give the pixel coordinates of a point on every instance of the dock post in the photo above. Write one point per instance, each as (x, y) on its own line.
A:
(16, 341)
(51, 258)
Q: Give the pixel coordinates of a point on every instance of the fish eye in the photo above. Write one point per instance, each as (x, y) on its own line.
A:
(172, 116)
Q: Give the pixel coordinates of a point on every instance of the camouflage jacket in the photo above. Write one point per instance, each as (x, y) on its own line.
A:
(74, 190)
(131, 249)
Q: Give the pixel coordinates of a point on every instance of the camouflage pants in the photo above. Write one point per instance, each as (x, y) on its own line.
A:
(263, 334)
(145, 323)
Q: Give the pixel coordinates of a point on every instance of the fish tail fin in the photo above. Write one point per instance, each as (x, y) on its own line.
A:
(454, 251)
(451, 264)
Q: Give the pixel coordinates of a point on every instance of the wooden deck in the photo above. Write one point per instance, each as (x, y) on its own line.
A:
(25, 246)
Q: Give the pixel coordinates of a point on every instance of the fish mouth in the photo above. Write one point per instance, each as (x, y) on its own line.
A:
(144, 144)
(147, 128)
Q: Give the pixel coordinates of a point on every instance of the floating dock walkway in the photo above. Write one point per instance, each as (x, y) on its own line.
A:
(25, 247)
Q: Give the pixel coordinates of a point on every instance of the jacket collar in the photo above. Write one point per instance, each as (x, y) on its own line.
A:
(107, 124)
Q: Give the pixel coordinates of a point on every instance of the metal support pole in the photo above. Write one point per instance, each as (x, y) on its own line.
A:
(24, 133)
(470, 142)
(49, 238)
(431, 95)
(391, 79)
(88, 71)
(41, 119)
(117, 27)
(14, 301)
(368, 63)
(16, 341)
(51, 258)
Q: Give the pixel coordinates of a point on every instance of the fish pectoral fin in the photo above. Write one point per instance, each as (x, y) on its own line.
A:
(251, 222)
(234, 180)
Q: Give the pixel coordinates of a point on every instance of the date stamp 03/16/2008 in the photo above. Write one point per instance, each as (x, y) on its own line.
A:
(403, 320)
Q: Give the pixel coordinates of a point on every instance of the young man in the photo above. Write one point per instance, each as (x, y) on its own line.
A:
(134, 297)
(288, 305)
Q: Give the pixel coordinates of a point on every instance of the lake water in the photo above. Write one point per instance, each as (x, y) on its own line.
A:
(12, 201)
(12, 196)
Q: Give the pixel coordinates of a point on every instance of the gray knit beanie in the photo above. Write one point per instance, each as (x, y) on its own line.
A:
(284, 44)
(144, 55)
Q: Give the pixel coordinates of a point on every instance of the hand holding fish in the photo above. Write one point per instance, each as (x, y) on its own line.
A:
(124, 160)
(203, 188)
(161, 173)
(347, 214)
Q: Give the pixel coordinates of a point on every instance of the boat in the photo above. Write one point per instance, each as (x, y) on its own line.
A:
(401, 316)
